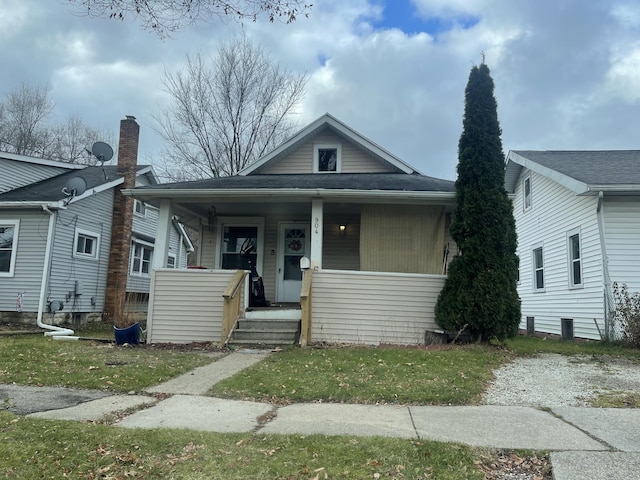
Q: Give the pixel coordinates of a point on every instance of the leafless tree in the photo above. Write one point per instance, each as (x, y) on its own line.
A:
(166, 16)
(22, 118)
(226, 111)
(25, 128)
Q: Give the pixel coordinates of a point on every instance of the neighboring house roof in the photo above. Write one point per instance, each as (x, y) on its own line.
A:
(583, 172)
(41, 161)
(50, 191)
(327, 122)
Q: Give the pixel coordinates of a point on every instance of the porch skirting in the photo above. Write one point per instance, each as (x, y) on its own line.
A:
(347, 306)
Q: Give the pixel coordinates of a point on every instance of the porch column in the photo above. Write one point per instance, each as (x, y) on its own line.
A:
(317, 227)
(163, 235)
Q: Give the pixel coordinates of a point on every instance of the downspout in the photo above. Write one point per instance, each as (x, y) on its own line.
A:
(56, 332)
(608, 300)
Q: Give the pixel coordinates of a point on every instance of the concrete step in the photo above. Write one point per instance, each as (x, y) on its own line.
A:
(270, 324)
(263, 335)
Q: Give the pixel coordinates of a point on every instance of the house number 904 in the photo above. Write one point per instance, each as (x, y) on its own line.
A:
(317, 224)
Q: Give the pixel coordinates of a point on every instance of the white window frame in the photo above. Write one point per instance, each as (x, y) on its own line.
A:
(172, 257)
(144, 246)
(139, 204)
(571, 260)
(87, 234)
(327, 146)
(527, 180)
(14, 245)
(535, 268)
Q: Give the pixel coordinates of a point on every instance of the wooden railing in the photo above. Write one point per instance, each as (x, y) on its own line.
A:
(305, 304)
(233, 304)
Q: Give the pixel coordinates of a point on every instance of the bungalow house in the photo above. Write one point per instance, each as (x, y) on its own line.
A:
(577, 217)
(56, 225)
(352, 239)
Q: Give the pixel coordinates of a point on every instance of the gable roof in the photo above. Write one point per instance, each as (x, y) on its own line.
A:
(327, 122)
(41, 161)
(49, 192)
(583, 172)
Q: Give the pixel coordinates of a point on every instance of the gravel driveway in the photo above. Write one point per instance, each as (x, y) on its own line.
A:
(552, 380)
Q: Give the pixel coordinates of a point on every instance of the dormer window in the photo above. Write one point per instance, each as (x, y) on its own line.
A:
(327, 159)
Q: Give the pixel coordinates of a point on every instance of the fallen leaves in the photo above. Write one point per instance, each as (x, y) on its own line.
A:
(502, 465)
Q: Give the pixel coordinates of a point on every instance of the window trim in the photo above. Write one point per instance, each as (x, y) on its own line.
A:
(143, 245)
(86, 233)
(14, 245)
(143, 207)
(172, 256)
(222, 222)
(316, 157)
(570, 260)
(535, 269)
(527, 180)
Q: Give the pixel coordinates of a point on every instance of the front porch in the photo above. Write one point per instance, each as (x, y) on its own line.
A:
(336, 306)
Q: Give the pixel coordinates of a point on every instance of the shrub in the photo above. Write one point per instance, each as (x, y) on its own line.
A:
(626, 316)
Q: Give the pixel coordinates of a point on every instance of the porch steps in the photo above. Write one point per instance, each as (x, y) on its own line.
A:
(268, 327)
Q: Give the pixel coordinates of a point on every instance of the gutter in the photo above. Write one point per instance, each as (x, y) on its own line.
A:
(56, 332)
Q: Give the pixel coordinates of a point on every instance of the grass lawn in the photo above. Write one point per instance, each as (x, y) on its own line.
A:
(33, 448)
(451, 376)
(43, 361)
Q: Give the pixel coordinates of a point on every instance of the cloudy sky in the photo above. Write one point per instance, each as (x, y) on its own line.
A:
(567, 72)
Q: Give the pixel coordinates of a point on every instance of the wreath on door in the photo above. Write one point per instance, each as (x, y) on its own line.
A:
(295, 245)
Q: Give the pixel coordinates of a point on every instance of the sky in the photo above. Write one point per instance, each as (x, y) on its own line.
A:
(566, 72)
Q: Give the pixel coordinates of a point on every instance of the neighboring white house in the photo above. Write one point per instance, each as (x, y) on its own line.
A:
(578, 222)
(55, 247)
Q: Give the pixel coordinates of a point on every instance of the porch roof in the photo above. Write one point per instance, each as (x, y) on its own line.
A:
(400, 182)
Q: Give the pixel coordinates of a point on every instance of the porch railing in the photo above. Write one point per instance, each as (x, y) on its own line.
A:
(233, 304)
(306, 302)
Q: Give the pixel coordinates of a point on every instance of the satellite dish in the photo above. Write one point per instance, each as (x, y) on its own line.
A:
(75, 186)
(102, 151)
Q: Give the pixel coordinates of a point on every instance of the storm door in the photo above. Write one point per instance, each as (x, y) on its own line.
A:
(294, 243)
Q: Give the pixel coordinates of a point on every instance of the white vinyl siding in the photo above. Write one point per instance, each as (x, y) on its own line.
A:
(354, 159)
(186, 305)
(622, 227)
(373, 308)
(8, 246)
(556, 211)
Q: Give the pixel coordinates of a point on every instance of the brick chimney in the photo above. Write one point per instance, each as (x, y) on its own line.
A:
(114, 302)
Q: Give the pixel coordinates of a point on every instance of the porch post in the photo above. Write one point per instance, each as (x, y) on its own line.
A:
(317, 228)
(163, 234)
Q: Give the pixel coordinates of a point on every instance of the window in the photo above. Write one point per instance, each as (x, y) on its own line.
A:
(8, 246)
(526, 188)
(575, 260)
(327, 159)
(139, 208)
(86, 244)
(538, 269)
(239, 247)
(171, 261)
(142, 255)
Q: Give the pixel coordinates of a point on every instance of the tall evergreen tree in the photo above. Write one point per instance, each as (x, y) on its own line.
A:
(480, 294)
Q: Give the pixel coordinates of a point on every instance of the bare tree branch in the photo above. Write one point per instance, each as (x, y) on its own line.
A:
(167, 16)
(226, 111)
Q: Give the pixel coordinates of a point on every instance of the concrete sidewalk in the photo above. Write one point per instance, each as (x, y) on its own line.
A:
(585, 442)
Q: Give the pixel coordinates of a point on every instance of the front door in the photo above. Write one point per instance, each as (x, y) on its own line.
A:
(294, 243)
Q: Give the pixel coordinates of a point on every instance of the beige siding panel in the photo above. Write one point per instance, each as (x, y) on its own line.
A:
(554, 212)
(186, 305)
(396, 238)
(373, 308)
(208, 247)
(354, 158)
(341, 251)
